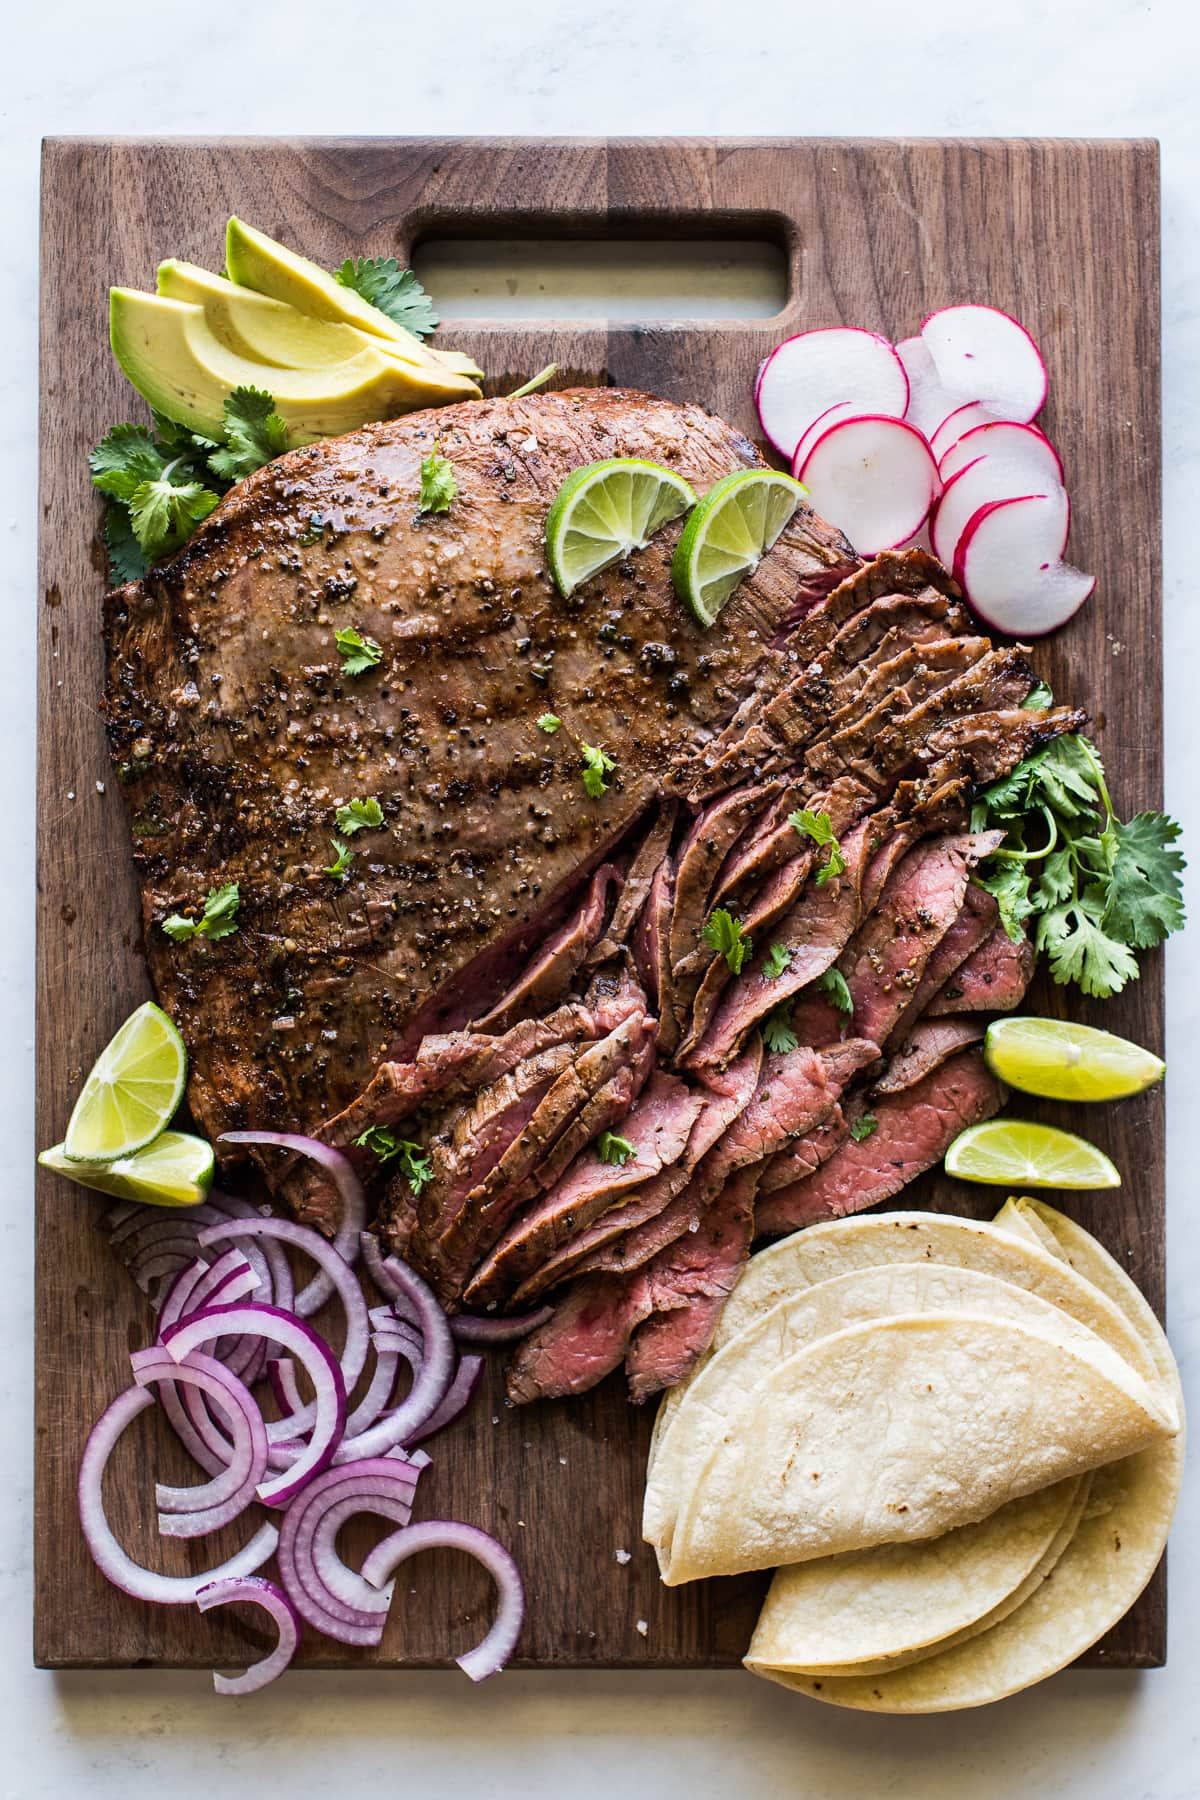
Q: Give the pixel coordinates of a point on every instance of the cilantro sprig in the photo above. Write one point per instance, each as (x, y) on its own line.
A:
(776, 961)
(438, 484)
(777, 1032)
(728, 937)
(819, 827)
(1096, 890)
(218, 919)
(359, 815)
(613, 1149)
(385, 1147)
(343, 856)
(161, 482)
(833, 985)
(863, 1128)
(393, 291)
(358, 653)
(597, 766)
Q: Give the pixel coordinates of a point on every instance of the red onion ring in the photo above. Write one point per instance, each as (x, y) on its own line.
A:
(316, 1581)
(275, 1603)
(341, 1278)
(110, 1558)
(229, 1278)
(472, 1328)
(193, 1511)
(302, 1342)
(430, 1381)
(455, 1400)
(342, 1173)
(489, 1656)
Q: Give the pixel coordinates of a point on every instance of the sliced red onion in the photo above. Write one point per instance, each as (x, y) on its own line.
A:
(274, 1602)
(430, 1381)
(114, 1562)
(193, 1511)
(379, 1391)
(158, 1263)
(229, 1278)
(150, 1224)
(455, 1400)
(471, 1328)
(300, 1341)
(377, 1266)
(317, 1581)
(490, 1656)
(342, 1173)
(341, 1278)
(281, 1373)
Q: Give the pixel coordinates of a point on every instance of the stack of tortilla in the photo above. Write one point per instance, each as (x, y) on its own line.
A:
(959, 1444)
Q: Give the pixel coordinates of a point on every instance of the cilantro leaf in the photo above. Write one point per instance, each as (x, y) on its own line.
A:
(359, 815)
(1008, 883)
(833, 985)
(164, 516)
(727, 936)
(385, 1147)
(1039, 697)
(549, 723)
(438, 485)
(382, 1144)
(123, 460)
(597, 764)
(613, 1149)
(393, 291)
(777, 1032)
(358, 653)
(343, 856)
(863, 1128)
(255, 434)
(218, 919)
(776, 961)
(1078, 949)
(126, 559)
(819, 827)
(1145, 896)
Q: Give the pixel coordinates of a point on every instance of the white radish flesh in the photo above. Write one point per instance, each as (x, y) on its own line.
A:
(875, 478)
(817, 369)
(1010, 563)
(963, 419)
(983, 354)
(1019, 461)
(1008, 444)
(928, 401)
(844, 409)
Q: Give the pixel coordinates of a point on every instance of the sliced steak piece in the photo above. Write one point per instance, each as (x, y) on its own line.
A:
(472, 1139)
(650, 852)
(890, 841)
(581, 1344)
(635, 1235)
(993, 979)
(652, 932)
(973, 924)
(986, 745)
(552, 970)
(884, 961)
(913, 1131)
(814, 933)
(688, 1287)
(658, 1128)
(892, 573)
(928, 1045)
(908, 681)
(712, 835)
(449, 1247)
(842, 1062)
(888, 625)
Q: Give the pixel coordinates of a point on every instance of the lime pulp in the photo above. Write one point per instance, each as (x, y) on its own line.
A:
(605, 511)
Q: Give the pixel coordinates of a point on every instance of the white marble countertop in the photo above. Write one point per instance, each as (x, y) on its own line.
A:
(1107, 67)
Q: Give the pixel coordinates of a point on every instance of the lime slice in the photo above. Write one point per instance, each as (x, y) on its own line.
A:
(175, 1170)
(604, 511)
(728, 535)
(1068, 1062)
(132, 1092)
(1018, 1153)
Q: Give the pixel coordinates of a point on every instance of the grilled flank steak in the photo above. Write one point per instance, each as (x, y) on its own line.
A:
(512, 972)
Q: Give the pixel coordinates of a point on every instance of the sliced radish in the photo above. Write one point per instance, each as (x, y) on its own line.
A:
(873, 476)
(816, 369)
(957, 424)
(1022, 462)
(1003, 441)
(928, 401)
(845, 409)
(983, 354)
(1010, 563)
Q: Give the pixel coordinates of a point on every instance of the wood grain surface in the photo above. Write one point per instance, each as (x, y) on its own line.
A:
(1062, 233)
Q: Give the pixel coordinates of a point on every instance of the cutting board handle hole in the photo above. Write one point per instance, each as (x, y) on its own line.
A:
(645, 272)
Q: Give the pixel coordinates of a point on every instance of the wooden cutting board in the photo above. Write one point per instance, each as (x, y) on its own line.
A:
(1063, 234)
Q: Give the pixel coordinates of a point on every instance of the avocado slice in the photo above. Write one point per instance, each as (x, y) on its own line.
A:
(256, 261)
(266, 331)
(176, 361)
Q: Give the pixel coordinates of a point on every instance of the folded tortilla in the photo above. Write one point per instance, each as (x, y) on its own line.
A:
(898, 1429)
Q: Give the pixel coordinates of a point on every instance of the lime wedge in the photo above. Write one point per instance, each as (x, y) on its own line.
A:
(604, 511)
(1068, 1062)
(175, 1170)
(1018, 1153)
(132, 1092)
(728, 535)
